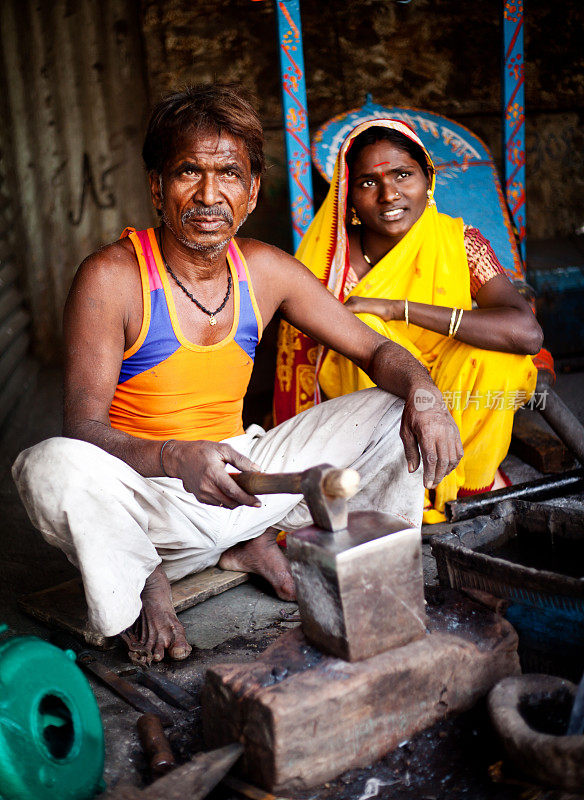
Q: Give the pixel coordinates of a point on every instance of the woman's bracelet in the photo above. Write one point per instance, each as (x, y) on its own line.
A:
(452, 318)
(457, 323)
(164, 472)
(406, 313)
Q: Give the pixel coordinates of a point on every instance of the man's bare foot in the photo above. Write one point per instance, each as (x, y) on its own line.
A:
(157, 629)
(263, 556)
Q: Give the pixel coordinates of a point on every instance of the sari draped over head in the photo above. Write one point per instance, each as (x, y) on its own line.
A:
(428, 265)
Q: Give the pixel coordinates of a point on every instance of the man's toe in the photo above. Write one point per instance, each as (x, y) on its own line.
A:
(179, 650)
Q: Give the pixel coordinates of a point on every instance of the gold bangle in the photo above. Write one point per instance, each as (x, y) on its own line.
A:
(406, 313)
(457, 323)
(452, 318)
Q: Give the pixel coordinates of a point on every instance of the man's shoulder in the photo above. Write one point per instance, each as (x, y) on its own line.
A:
(111, 262)
(254, 250)
(261, 256)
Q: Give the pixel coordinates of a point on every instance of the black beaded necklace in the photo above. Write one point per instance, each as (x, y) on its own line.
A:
(210, 314)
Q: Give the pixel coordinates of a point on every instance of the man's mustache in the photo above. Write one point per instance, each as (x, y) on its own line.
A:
(207, 211)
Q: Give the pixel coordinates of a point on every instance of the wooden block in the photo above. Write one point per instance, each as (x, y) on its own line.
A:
(537, 445)
(360, 591)
(64, 606)
(304, 717)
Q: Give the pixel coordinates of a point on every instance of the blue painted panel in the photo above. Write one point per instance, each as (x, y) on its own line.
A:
(514, 114)
(295, 117)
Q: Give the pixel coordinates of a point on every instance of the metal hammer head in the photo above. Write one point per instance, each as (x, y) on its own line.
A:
(326, 490)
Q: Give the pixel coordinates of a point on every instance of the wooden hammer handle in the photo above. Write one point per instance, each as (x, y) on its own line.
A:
(155, 744)
(336, 482)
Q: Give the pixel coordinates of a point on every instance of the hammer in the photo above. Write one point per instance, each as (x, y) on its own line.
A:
(325, 489)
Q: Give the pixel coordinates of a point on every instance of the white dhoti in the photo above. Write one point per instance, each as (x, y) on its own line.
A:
(117, 526)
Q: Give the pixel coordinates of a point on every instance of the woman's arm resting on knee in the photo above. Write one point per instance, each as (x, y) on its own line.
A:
(426, 422)
(503, 320)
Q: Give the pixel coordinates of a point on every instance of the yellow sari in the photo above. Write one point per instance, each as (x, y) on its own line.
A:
(429, 265)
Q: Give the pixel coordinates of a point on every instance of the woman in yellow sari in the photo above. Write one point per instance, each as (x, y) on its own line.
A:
(412, 274)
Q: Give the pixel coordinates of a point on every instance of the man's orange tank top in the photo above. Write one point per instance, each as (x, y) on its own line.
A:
(170, 388)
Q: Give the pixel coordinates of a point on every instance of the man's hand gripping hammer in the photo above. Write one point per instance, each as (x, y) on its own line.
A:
(325, 489)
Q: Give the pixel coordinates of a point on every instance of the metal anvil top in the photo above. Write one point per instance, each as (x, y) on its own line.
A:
(365, 530)
(360, 590)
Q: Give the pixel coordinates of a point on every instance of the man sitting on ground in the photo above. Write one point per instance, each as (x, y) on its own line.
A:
(160, 335)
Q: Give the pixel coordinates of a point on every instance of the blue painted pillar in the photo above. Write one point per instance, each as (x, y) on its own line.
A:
(514, 115)
(295, 117)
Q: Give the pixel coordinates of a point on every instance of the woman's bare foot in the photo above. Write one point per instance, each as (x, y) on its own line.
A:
(264, 557)
(499, 482)
(157, 629)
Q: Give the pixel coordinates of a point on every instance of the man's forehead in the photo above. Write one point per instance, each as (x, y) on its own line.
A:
(211, 145)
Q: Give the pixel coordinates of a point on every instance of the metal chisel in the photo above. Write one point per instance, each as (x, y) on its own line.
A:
(167, 690)
(112, 680)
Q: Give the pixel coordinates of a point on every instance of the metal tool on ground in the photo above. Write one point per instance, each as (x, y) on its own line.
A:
(559, 417)
(247, 790)
(347, 567)
(112, 680)
(192, 781)
(156, 746)
(325, 489)
(51, 736)
(163, 687)
(540, 489)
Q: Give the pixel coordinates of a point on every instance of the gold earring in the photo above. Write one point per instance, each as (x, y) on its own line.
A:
(430, 196)
(354, 218)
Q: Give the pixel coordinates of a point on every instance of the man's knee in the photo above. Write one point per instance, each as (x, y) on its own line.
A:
(47, 472)
(48, 460)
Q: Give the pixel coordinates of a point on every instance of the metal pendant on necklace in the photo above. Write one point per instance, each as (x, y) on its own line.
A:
(211, 314)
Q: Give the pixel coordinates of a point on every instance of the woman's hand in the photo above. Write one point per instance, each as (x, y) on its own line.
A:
(386, 309)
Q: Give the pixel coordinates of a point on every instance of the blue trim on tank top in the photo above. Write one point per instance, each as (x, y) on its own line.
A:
(160, 341)
(246, 335)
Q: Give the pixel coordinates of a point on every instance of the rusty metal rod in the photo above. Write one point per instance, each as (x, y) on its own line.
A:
(540, 489)
(560, 418)
(167, 690)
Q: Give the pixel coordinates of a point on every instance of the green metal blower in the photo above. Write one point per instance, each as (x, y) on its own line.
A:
(51, 735)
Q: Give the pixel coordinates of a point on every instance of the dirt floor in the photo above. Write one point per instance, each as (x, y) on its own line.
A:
(458, 758)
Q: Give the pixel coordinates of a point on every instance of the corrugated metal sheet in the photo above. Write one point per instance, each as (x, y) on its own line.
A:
(75, 91)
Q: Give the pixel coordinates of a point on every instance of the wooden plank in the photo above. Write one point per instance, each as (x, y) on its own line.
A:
(304, 717)
(537, 445)
(64, 606)
(201, 586)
